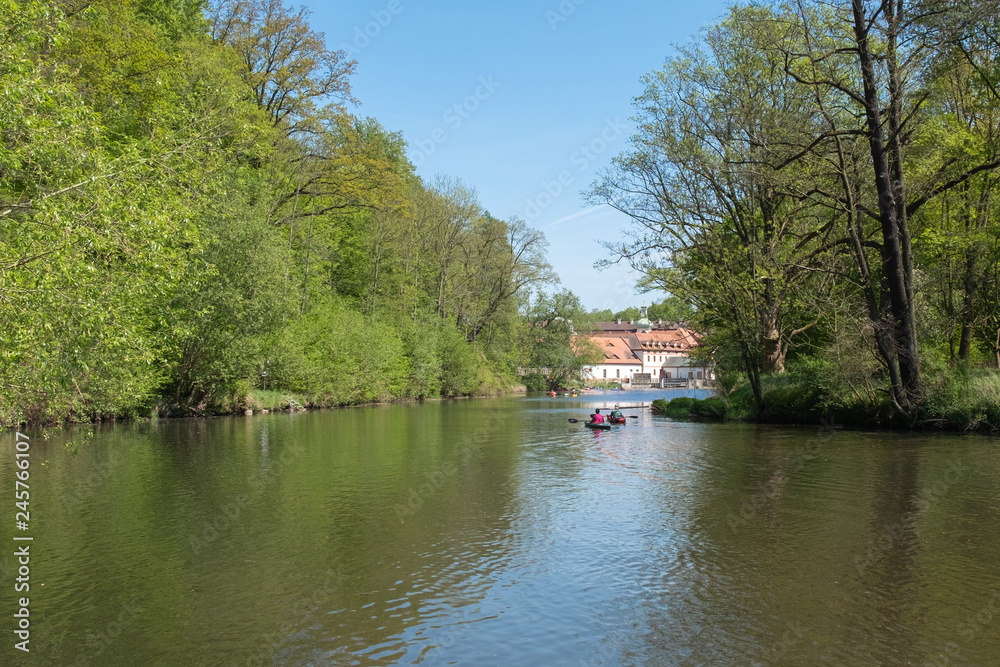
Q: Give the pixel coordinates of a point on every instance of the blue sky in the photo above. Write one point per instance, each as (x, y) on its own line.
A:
(524, 101)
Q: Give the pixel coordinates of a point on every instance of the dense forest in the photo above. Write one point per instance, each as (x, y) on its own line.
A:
(819, 177)
(195, 220)
(190, 214)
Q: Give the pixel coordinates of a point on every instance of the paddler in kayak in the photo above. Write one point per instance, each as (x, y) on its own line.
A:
(597, 417)
(616, 417)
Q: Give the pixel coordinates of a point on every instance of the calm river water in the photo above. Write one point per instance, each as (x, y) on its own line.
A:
(494, 532)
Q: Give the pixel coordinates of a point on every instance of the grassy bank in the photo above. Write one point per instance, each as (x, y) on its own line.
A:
(957, 399)
(258, 400)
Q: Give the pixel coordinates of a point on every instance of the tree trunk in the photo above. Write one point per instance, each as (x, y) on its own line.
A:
(971, 280)
(965, 343)
(774, 352)
(894, 267)
(996, 347)
(752, 367)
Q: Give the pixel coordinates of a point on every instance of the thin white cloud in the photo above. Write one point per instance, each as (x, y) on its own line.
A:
(574, 216)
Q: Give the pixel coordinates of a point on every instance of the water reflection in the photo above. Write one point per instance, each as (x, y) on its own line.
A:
(496, 532)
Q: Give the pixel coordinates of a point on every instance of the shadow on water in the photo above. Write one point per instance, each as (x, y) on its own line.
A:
(495, 532)
(888, 600)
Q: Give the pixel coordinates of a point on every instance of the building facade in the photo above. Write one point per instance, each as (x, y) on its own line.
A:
(661, 349)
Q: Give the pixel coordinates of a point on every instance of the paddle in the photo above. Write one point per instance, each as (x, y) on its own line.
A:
(573, 421)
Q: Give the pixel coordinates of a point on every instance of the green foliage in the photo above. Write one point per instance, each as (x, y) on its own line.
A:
(335, 352)
(421, 344)
(794, 180)
(671, 309)
(464, 370)
(258, 399)
(185, 204)
(535, 382)
(236, 303)
(91, 247)
(960, 397)
(685, 407)
(124, 66)
(550, 341)
(176, 17)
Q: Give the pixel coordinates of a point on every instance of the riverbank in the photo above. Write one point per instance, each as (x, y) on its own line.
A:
(276, 401)
(255, 401)
(963, 400)
(448, 502)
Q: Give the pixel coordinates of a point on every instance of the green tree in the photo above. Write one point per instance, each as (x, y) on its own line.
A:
(290, 72)
(708, 183)
(870, 65)
(551, 341)
(92, 246)
(672, 309)
(235, 303)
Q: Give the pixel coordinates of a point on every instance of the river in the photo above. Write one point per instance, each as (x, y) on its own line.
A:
(495, 532)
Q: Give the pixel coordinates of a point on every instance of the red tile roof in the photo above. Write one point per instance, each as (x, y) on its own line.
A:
(616, 350)
(622, 348)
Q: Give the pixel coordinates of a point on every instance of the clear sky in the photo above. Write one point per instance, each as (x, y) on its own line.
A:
(525, 101)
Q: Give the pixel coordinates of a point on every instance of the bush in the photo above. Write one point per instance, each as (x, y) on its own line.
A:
(339, 354)
(535, 382)
(685, 407)
(710, 408)
(961, 398)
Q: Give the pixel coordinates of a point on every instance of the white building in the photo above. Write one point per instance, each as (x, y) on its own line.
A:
(620, 362)
(662, 350)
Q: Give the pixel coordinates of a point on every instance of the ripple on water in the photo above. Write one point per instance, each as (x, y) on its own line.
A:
(656, 543)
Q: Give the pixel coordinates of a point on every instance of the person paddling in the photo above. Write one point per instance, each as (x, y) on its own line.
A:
(597, 417)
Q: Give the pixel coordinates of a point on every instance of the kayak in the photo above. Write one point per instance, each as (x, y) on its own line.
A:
(603, 425)
(620, 420)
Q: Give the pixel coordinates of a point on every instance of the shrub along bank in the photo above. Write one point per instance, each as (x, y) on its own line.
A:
(959, 399)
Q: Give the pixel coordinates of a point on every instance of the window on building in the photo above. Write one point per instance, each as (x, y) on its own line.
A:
(699, 375)
(690, 375)
(605, 373)
(668, 373)
(618, 373)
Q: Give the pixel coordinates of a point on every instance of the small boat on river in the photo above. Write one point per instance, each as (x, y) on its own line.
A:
(604, 426)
